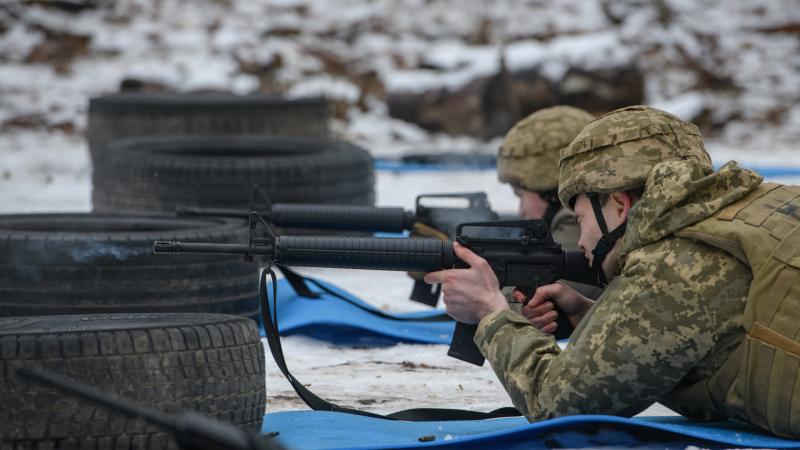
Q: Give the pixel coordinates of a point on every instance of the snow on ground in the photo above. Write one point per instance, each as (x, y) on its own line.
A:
(44, 172)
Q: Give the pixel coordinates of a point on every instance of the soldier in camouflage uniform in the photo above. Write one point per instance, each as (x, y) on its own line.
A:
(701, 309)
(528, 161)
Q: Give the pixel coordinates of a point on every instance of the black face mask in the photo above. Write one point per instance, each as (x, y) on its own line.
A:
(606, 243)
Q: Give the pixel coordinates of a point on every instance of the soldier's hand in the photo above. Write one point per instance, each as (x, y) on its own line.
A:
(469, 294)
(540, 309)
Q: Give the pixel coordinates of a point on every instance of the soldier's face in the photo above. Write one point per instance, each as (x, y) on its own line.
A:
(590, 230)
(615, 212)
(531, 204)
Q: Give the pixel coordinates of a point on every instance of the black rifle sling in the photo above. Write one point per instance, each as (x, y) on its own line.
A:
(319, 404)
(297, 282)
(300, 285)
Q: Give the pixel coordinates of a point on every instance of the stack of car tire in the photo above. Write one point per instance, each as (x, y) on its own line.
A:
(83, 295)
(173, 150)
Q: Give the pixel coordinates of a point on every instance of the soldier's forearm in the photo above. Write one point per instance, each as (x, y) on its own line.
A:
(519, 354)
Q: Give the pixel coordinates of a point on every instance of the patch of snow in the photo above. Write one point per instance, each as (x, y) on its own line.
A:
(458, 63)
(18, 41)
(327, 86)
(244, 84)
(591, 51)
(42, 172)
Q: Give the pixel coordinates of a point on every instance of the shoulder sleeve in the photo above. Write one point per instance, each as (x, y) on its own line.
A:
(650, 327)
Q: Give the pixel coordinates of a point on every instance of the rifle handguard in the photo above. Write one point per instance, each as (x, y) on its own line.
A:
(420, 255)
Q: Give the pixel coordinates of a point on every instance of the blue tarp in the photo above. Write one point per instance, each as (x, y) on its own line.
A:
(400, 166)
(334, 320)
(309, 430)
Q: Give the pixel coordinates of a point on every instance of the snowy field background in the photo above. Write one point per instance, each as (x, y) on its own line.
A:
(189, 46)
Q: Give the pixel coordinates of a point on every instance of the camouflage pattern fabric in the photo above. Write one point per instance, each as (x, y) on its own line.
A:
(678, 195)
(667, 321)
(528, 158)
(615, 152)
(640, 341)
(758, 383)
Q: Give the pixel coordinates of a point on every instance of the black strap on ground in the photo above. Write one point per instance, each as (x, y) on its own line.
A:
(300, 285)
(319, 404)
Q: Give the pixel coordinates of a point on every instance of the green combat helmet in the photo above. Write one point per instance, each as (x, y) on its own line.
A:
(528, 158)
(615, 152)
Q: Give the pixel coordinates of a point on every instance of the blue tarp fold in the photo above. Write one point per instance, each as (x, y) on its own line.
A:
(334, 320)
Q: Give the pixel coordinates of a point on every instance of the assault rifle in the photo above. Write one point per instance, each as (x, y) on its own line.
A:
(444, 218)
(524, 256)
(189, 429)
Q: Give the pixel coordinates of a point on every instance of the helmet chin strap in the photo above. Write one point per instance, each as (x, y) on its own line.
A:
(606, 243)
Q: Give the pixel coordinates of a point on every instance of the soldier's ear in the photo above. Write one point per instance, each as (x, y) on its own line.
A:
(619, 204)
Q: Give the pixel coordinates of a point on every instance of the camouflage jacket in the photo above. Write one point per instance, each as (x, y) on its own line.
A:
(669, 318)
